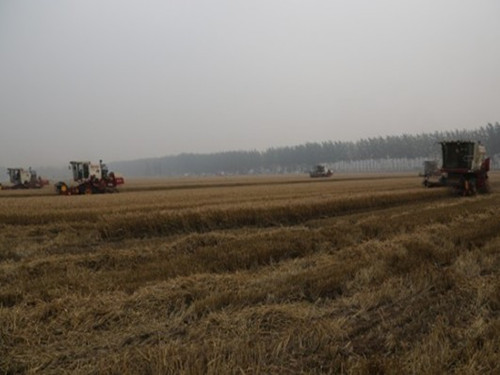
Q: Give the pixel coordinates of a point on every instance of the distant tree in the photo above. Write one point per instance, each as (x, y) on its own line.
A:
(302, 157)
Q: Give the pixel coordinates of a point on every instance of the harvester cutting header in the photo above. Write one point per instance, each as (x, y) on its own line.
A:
(90, 179)
(465, 168)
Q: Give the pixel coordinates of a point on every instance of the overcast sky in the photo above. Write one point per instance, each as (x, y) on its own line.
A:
(123, 79)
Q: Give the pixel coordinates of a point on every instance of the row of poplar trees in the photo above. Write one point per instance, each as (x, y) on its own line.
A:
(304, 157)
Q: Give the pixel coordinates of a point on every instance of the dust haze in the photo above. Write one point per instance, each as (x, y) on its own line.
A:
(121, 80)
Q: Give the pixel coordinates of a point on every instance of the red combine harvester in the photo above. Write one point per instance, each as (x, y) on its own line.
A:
(465, 168)
(90, 179)
(21, 178)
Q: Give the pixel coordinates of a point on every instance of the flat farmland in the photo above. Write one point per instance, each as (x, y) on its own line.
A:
(353, 274)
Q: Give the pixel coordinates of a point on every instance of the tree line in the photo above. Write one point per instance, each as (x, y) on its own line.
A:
(302, 158)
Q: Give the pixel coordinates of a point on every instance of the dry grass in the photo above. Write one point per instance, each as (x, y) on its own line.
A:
(277, 275)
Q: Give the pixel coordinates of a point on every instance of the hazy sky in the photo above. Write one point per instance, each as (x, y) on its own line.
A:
(123, 79)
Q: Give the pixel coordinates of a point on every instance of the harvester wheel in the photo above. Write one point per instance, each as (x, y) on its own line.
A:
(485, 189)
(63, 188)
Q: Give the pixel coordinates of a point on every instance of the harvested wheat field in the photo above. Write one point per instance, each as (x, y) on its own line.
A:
(275, 275)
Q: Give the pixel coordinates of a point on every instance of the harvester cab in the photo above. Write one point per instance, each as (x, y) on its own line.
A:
(84, 170)
(90, 178)
(465, 167)
(431, 168)
(432, 173)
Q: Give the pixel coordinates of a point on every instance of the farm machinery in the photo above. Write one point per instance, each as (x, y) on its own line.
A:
(90, 179)
(465, 168)
(21, 178)
(321, 171)
(431, 169)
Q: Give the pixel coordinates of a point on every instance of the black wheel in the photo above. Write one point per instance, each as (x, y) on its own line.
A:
(485, 188)
(61, 188)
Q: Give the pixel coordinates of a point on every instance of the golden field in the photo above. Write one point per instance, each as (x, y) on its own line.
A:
(257, 275)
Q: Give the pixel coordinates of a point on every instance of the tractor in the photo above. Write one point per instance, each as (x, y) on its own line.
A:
(90, 179)
(321, 171)
(21, 178)
(465, 168)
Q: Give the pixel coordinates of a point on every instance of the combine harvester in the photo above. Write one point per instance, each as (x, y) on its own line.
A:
(21, 178)
(90, 179)
(321, 171)
(465, 168)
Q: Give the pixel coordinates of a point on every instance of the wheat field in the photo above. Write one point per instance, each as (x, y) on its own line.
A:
(354, 274)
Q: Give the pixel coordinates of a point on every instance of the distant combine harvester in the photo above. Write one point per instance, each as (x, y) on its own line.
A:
(321, 171)
(90, 179)
(21, 178)
(465, 168)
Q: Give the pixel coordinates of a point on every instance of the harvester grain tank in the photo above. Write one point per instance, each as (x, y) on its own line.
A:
(90, 179)
(321, 171)
(465, 167)
(21, 178)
